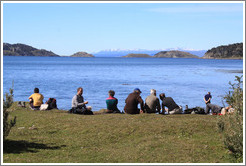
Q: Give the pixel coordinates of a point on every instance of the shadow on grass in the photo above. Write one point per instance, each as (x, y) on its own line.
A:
(10, 146)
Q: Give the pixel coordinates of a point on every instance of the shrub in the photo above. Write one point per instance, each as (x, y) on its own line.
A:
(7, 102)
(231, 125)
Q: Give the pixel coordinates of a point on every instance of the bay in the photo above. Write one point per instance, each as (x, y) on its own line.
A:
(185, 80)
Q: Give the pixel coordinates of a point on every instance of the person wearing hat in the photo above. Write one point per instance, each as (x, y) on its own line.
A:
(172, 107)
(132, 102)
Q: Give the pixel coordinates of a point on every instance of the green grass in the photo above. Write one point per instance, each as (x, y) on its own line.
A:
(60, 137)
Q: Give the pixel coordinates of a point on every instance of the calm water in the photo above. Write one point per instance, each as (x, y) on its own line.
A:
(186, 80)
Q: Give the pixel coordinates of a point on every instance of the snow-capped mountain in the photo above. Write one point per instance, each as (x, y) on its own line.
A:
(123, 52)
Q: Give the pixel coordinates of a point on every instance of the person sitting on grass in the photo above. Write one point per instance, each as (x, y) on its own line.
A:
(132, 102)
(79, 105)
(152, 103)
(227, 110)
(36, 99)
(112, 102)
(172, 107)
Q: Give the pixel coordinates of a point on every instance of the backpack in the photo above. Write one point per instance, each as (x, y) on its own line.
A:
(51, 103)
(196, 110)
(199, 110)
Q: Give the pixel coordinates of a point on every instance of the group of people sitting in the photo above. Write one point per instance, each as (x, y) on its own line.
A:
(151, 104)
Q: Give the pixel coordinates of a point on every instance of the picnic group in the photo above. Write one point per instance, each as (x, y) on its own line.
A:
(152, 104)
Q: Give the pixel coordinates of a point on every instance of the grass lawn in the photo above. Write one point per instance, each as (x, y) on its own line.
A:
(59, 137)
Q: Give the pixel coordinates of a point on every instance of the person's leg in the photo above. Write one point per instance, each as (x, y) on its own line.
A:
(31, 104)
(88, 111)
(171, 112)
(23, 104)
(109, 111)
(176, 111)
(207, 109)
(36, 107)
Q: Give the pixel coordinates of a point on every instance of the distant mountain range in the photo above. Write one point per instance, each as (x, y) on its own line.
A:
(232, 51)
(120, 53)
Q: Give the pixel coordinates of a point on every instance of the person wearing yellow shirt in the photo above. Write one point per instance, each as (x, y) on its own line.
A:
(36, 99)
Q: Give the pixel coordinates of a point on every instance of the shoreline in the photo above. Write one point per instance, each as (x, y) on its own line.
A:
(126, 57)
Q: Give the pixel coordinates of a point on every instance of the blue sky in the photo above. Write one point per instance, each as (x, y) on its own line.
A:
(66, 28)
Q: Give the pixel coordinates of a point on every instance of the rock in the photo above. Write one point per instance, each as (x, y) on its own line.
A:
(82, 54)
(232, 51)
(25, 50)
(137, 56)
(174, 54)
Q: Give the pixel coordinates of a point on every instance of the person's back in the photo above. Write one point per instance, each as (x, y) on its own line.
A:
(169, 103)
(36, 99)
(152, 103)
(214, 108)
(132, 102)
(112, 102)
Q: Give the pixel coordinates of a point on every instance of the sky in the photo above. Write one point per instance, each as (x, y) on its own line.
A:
(66, 28)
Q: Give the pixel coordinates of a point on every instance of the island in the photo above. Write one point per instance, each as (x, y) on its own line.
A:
(82, 54)
(25, 50)
(231, 51)
(174, 54)
(137, 56)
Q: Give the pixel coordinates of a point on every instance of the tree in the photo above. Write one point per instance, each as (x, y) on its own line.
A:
(232, 125)
(7, 102)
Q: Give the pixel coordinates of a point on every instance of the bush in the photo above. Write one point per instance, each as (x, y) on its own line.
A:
(231, 125)
(7, 102)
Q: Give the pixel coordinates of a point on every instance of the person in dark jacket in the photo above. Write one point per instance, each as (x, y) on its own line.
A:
(132, 102)
(172, 107)
(207, 99)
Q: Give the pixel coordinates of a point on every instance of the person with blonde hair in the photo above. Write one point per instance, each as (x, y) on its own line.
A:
(152, 103)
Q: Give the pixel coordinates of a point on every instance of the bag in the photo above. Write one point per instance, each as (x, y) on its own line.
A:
(196, 110)
(52, 103)
(199, 110)
(188, 111)
(44, 107)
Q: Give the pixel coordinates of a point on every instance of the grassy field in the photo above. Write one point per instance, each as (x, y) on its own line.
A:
(58, 137)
